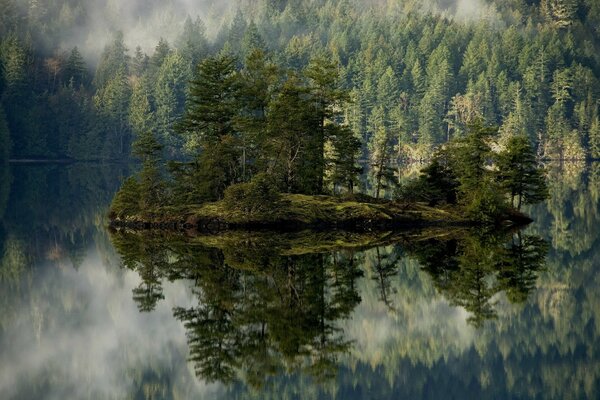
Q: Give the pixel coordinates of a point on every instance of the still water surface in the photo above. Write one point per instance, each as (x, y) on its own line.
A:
(90, 314)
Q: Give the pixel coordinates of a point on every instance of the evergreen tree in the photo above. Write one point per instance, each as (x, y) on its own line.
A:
(345, 158)
(140, 113)
(151, 187)
(326, 99)
(518, 173)
(258, 81)
(208, 127)
(114, 60)
(75, 69)
(291, 139)
(170, 90)
(381, 150)
(112, 102)
(193, 43)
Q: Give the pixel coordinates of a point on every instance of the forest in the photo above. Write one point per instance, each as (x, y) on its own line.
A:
(417, 73)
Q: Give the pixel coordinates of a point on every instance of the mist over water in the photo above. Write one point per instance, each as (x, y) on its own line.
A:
(71, 324)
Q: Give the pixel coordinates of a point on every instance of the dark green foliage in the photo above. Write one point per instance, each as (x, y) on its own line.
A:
(127, 200)
(144, 192)
(151, 184)
(466, 172)
(193, 43)
(532, 69)
(4, 138)
(259, 312)
(76, 73)
(258, 80)
(114, 60)
(437, 183)
(519, 174)
(211, 103)
(469, 272)
(344, 161)
(260, 195)
(292, 140)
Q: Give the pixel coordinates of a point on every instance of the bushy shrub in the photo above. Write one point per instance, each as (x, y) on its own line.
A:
(437, 184)
(127, 199)
(486, 204)
(257, 196)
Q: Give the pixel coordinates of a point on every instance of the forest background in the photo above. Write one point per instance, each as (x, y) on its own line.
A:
(79, 78)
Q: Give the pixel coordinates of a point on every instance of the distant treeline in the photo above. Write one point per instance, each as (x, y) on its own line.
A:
(417, 75)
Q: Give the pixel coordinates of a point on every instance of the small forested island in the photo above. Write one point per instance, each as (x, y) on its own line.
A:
(268, 148)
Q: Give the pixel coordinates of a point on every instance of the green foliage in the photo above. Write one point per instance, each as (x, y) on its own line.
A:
(529, 67)
(519, 174)
(343, 162)
(127, 200)
(437, 183)
(258, 196)
(152, 188)
(4, 138)
(485, 204)
(468, 173)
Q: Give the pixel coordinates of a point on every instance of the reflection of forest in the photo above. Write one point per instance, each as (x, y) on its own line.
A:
(403, 338)
(258, 312)
(262, 312)
(53, 212)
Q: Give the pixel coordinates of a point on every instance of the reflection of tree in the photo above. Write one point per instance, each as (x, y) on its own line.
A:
(264, 308)
(386, 267)
(469, 271)
(259, 313)
(519, 265)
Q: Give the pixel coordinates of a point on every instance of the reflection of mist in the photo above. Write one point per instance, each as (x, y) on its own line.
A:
(79, 335)
(429, 324)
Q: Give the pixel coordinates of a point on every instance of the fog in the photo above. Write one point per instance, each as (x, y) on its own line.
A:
(91, 24)
(80, 335)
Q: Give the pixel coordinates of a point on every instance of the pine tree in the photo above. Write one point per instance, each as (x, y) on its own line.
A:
(326, 98)
(208, 127)
(169, 97)
(75, 69)
(291, 139)
(518, 173)
(258, 80)
(140, 113)
(151, 185)
(113, 61)
(381, 150)
(345, 158)
(192, 43)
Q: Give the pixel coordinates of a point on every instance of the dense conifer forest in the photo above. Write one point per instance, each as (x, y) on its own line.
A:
(416, 73)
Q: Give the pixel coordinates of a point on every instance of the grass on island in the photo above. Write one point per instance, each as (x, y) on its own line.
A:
(314, 210)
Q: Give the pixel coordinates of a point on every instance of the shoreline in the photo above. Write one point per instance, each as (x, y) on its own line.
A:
(302, 212)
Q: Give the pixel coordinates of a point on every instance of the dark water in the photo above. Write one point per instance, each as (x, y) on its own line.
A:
(90, 314)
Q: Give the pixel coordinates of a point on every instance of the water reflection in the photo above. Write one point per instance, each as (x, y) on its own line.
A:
(271, 303)
(412, 315)
(472, 270)
(259, 312)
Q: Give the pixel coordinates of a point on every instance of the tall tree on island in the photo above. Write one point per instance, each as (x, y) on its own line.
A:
(208, 126)
(519, 174)
(326, 104)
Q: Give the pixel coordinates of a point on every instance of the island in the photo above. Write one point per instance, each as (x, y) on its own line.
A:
(269, 148)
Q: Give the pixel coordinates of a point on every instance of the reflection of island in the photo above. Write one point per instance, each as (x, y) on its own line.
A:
(272, 303)
(259, 313)
(469, 271)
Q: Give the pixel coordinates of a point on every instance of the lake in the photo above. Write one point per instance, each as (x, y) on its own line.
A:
(90, 313)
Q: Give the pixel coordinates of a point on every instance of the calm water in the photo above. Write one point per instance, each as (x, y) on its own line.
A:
(89, 314)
